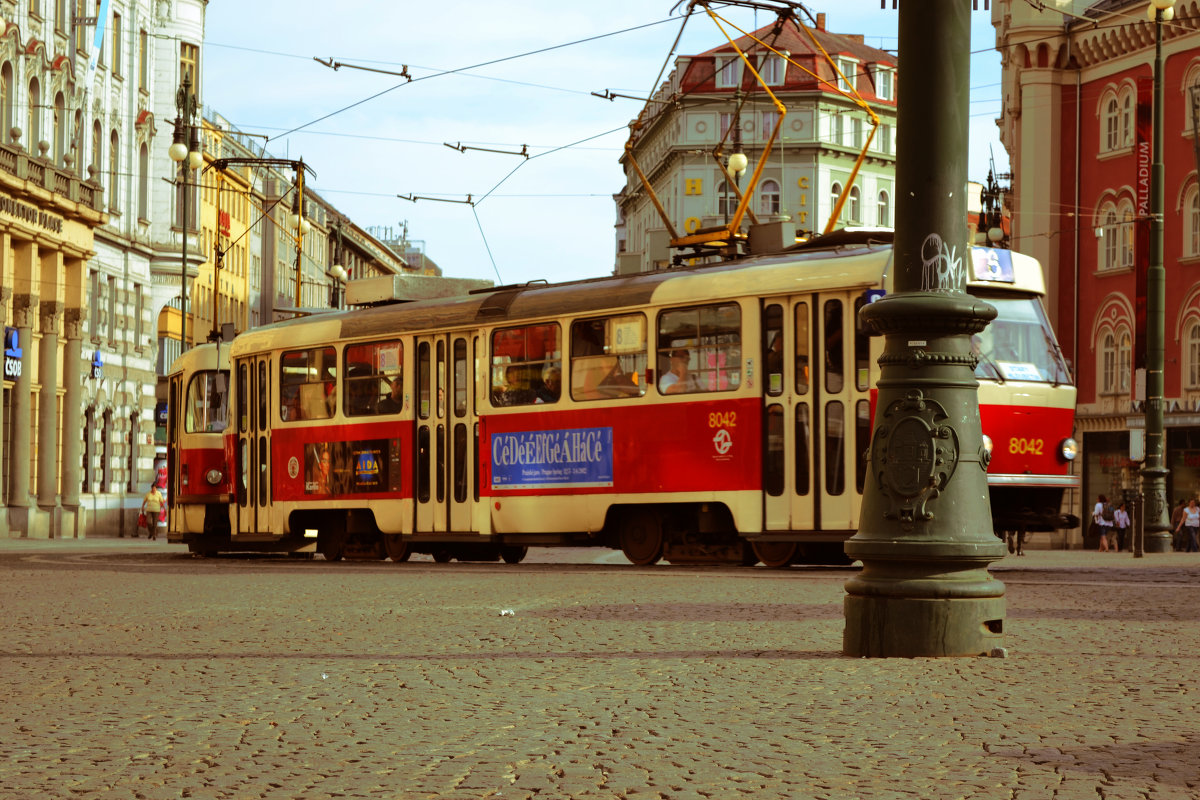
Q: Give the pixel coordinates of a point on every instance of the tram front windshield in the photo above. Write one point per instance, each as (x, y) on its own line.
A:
(205, 406)
(1019, 344)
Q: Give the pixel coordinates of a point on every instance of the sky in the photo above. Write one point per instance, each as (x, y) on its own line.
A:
(503, 76)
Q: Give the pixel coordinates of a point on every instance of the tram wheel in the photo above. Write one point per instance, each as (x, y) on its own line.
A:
(513, 554)
(832, 554)
(442, 556)
(776, 555)
(333, 546)
(642, 539)
(397, 549)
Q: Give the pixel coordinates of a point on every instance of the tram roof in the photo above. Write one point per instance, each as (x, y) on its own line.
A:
(858, 259)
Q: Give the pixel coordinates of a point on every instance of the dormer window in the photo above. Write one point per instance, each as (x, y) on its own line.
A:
(884, 83)
(847, 80)
(772, 69)
(729, 72)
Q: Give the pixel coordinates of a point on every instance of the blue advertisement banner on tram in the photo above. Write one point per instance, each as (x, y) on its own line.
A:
(571, 458)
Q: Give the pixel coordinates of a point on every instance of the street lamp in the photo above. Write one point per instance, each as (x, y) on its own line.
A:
(1156, 525)
(185, 151)
(339, 275)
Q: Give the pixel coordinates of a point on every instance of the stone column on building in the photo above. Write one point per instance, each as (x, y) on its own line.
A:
(72, 414)
(47, 450)
(21, 437)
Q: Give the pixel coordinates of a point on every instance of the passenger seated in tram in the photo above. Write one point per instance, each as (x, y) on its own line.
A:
(393, 403)
(516, 391)
(361, 390)
(551, 387)
(677, 379)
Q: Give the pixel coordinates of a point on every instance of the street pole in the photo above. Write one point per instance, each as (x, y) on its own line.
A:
(1154, 471)
(925, 537)
(185, 151)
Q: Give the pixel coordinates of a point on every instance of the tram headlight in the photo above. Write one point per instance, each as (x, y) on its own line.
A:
(987, 450)
(1069, 449)
(213, 476)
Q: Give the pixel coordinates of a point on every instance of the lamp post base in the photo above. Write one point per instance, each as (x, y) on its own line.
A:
(1157, 542)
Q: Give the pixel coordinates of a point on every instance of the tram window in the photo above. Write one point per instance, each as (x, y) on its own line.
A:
(835, 448)
(262, 470)
(243, 390)
(802, 348)
(834, 347)
(773, 466)
(700, 349)
(374, 384)
(862, 349)
(460, 378)
(306, 384)
(243, 471)
(441, 463)
(423, 464)
(460, 463)
(524, 363)
(263, 395)
(773, 349)
(608, 357)
(205, 409)
(423, 381)
(803, 450)
(862, 435)
(441, 383)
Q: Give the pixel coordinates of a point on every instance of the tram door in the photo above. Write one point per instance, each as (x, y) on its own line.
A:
(447, 433)
(816, 408)
(253, 446)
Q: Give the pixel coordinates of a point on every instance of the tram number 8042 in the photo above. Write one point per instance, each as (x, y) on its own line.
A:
(1022, 446)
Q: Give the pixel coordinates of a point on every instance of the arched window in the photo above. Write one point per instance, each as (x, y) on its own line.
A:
(1192, 338)
(855, 205)
(6, 102)
(768, 198)
(1127, 235)
(113, 167)
(885, 210)
(1108, 363)
(1112, 126)
(1124, 363)
(144, 183)
(1127, 119)
(835, 192)
(60, 128)
(1108, 238)
(1191, 221)
(35, 119)
(77, 144)
(726, 200)
(95, 162)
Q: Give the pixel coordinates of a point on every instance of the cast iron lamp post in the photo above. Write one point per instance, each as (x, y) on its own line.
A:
(925, 533)
(1157, 523)
(185, 151)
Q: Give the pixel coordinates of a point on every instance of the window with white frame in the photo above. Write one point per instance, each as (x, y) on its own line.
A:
(835, 192)
(884, 88)
(1108, 363)
(885, 210)
(1191, 221)
(1108, 237)
(885, 138)
(772, 69)
(726, 200)
(1192, 339)
(726, 122)
(1124, 361)
(856, 131)
(855, 205)
(1111, 126)
(768, 198)
(849, 71)
(769, 120)
(1127, 234)
(729, 72)
(839, 129)
(1127, 118)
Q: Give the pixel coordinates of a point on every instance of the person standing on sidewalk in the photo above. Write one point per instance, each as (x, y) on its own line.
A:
(1102, 517)
(1177, 543)
(1120, 526)
(152, 504)
(1190, 524)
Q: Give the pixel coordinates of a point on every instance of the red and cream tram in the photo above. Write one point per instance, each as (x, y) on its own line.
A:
(708, 413)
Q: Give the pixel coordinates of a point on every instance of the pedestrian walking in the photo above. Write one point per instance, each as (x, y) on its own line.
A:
(152, 505)
(1177, 543)
(1190, 524)
(1102, 521)
(1120, 527)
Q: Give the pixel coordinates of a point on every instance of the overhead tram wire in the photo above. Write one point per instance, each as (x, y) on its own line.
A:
(465, 69)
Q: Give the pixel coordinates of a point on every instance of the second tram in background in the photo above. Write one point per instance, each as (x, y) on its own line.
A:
(714, 413)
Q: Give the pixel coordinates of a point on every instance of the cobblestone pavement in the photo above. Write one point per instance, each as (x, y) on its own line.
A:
(130, 670)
